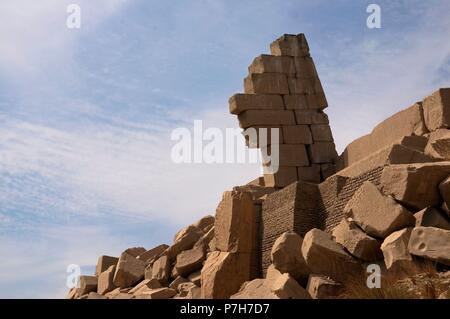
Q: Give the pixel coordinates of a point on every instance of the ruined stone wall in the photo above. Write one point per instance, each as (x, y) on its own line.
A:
(283, 91)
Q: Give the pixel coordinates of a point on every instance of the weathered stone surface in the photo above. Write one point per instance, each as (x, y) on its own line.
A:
(239, 103)
(301, 86)
(87, 284)
(376, 214)
(358, 243)
(262, 136)
(266, 83)
(152, 253)
(325, 257)
(286, 256)
(291, 45)
(72, 294)
(415, 185)
(317, 101)
(224, 273)
(176, 282)
(255, 289)
(432, 217)
(235, 223)
(145, 285)
(284, 286)
(129, 271)
(308, 117)
(430, 243)
(104, 262)
(438, 145)
(189, 261)
(135, 251)
(282, 178)
(322, 152)
(393, 154)
(105, 280)
(206, 239)
(321, 133)
(205, 223)
(310, 174)
(272, 64)
(444, 190)
(436, 109)
(266, 118)
(395, 251)
(185, 239)
(123, 295)
(322, 287)
(160, 293)
(196, 278)
(297, 134)
(295, 102)
(94, 295)
(161, 269)
(305, 67)
(288, 155)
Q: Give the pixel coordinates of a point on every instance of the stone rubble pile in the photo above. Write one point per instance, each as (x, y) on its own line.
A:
(287, 236)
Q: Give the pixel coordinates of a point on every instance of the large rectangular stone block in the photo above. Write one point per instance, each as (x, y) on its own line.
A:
(266, 83)
(266, 118)
(291, 45)
(436, 109)
(301, 86)
(305, 67)
(309, 174)
(239, 103)
(282, 178)
(288, 155)
(297, 134)
(317, 101)
(272, 64)
(295, 101)
(321, 133)
(310, 117)
(262, 136)
(322, 152)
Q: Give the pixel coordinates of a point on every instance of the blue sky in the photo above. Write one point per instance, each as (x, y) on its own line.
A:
(86, 115)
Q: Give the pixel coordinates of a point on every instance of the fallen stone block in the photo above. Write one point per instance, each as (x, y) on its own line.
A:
(196, 278)
(235, 223)
(160, 293)
(105, 280)
(272, 64)
(104, 262)
(376, 214)
(185, 239)
(145, 285)
(224, 273)
(152, 253)
(255, 289)
(205, 223)
(430, 243)
(123, 295)
(432, 217)
(322, 287)
(357, 243)
(239, 103)
(161, 270)
(284, 286)
(290, 45)
(176, 282)
(87, 284)
(189, 261)
(325, 257)
(94, 295)
(438, 145)
(266, 83)
(72, 294)
(206, 239)
(297, 134)
(322, 152)
(395, 250)
(415, 185)
(129, 271)
(135, 251)
(255, 118)
(436, 109)
(286, 256)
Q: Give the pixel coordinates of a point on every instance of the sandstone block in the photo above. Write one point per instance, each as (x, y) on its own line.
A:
(72, 294)
(235, 223)
(205, 223)
(286, 256)
(160, 293)
(272, 64)
(322, 287)
(322, 152)
(104, 262)
(189, 261)
(105, 280)
(265, 118)
(161, 269)
(206, 239)
(395, 251)
(327, 170)
(239, 103)
(359, 244)
(311, 117)
(295, 101)
(284, 286)
(129, 271)
(135, 251)
(438, 145)
(297, 134)
(184, 240)
(123, 295)
(305, 67)
(309, 174)
(415, 185)
(152, 253)
(87, 284)
(436, 109)
(321, 133)
(266, 83)
(325, 257)
(145, 285)
(196, 278)
(255, 289)
(224, 273)
(432, 217)
(430, 243)
(94, 295)
(262, 136)
(317, 101)
(444, 190)
(301, 86)
(291, 45)
(376, 214)
(282, 178)
(288, 155)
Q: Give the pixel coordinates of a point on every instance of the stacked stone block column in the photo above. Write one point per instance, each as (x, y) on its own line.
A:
(283, 91)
